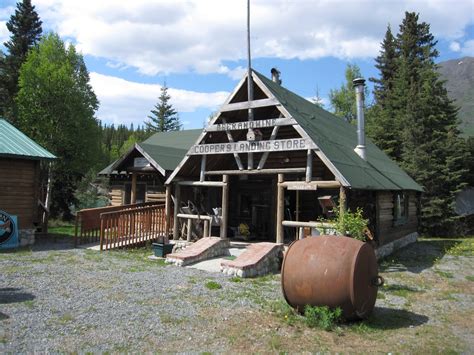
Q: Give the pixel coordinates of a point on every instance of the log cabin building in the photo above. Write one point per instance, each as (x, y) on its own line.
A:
(273, 163)
(21, 193)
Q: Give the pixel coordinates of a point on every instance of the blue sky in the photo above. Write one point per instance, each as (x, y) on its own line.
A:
(198, 47)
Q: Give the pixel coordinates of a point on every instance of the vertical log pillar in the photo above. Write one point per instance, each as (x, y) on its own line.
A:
(225, 206)
(280, 209)
(309, 165)
(342, 200)
(133, 197)
(190, 230)
(203, 168)
(167, 214)
(297, 213)
(177, 197)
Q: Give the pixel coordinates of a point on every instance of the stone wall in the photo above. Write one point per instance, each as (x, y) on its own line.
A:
(387, 249)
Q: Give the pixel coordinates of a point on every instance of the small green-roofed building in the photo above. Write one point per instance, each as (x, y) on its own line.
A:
(149, 163)
(21, 194)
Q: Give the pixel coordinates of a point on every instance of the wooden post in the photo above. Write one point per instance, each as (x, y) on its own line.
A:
(300, 233)
(225, 206)
(203, 168)
(177, 197)
(190, 228)
(280, 209)
(342, 200)
(167, 214)
(309, 165)
(133, 197)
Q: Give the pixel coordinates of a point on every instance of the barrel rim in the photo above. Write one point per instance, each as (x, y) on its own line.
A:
(282, 272)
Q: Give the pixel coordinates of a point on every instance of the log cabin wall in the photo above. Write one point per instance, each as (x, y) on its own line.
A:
(154, 191)
(388, 229)
(19, 180)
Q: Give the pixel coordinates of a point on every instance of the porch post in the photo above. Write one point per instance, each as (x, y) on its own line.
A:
(225, 206)
(133, 197)
(342, 200)
(280, 209)
(167, 212)
(177, 197)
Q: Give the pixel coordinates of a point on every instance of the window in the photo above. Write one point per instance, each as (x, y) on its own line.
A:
(400, 208)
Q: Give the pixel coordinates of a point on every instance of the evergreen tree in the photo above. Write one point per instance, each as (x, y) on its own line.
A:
(25, 29)
(343, 100)
(417, 122)
(56, 107)
(382, 127)
(163, 117)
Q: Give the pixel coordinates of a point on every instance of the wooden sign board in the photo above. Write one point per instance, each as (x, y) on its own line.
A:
(250, 124)
(302, 186)
(280, 145)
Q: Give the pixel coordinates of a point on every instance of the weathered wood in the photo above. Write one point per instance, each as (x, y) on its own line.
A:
(203, 168)
(312, 185)
(177, 197)
(168, 211)
(307, 224)
(342, 200)
(280, 209)
(309, 165)
(279, 145)
(201, 183)
(265, 155)
(257, 124)
(245, 105)
(190, 227)
(257, 172)
(236, 156)
(225, 207)
(133, 194)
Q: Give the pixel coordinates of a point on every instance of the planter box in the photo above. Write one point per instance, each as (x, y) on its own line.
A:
(160, 249)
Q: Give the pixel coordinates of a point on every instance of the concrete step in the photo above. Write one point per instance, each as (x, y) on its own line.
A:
(203, 249)
(257, 260)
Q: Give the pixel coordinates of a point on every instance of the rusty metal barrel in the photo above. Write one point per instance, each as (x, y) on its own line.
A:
(331, 271)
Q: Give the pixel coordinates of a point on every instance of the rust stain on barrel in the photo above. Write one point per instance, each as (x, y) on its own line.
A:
(331, 271)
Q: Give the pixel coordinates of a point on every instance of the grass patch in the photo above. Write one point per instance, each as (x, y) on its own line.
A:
(464, 247)
(236, 279)
(285, 312)
(399, 290)
(30, 303)
(230, 257)
(470, 278)
(213, 285)
(445, 274)
(67, 229)
(322, 317)
(380, 296)
(66, 318)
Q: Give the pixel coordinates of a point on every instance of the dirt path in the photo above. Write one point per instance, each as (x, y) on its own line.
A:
(57, 299)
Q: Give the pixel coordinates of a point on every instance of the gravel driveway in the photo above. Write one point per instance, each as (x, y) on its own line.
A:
(57, 299)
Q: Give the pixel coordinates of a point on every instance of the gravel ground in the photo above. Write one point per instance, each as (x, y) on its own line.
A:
(57, 299)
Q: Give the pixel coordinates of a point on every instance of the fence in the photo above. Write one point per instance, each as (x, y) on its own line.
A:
(88, 221)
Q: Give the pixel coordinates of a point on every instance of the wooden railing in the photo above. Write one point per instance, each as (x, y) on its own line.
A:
(87, 228)
(325, 227)
(132, 226)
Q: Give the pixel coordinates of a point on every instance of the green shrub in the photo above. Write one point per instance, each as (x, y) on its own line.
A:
(322, 317)
(213, 285)
(352, 223)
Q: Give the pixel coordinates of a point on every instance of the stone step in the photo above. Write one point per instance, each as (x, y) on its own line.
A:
(257, 260)
(203, 249)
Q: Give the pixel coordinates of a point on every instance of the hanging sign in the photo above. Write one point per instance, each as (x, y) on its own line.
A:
(235, 126)
(280, 145)
(8, 231)
(302, 186)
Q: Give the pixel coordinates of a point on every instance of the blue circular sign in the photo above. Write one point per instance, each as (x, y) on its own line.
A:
(7, 227)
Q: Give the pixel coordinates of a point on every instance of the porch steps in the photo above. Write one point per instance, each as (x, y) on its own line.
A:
(203, 249)
(257, 260)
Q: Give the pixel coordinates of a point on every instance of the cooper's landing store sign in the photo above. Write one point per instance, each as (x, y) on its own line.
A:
(8, 230)
(253, 147)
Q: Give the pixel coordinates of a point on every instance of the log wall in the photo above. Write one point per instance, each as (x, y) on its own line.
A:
(19, 190)
(387, 231)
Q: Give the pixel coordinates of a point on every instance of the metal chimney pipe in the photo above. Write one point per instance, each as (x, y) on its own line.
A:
(359, 84)
(276, 76)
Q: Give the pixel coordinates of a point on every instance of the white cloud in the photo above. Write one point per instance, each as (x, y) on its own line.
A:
(190, 35)
(4, 34)
(455, 46)
(123, 101)
(468, 48)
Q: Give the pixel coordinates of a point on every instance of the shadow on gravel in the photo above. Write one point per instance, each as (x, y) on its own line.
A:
(53, 242)
(14, 295)
(391, 318)
(3, 316)
(418, 256)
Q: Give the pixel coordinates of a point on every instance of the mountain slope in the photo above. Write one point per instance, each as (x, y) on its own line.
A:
(459, 76)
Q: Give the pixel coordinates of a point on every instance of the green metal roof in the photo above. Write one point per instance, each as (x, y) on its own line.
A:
(167, 149)
(13, 143)
(337, 139)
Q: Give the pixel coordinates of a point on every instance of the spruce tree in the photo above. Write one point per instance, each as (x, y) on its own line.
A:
(163, 117)
(418, 124)
(25, 29)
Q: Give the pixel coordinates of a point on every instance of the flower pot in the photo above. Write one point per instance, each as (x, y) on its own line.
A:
(161, 249)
